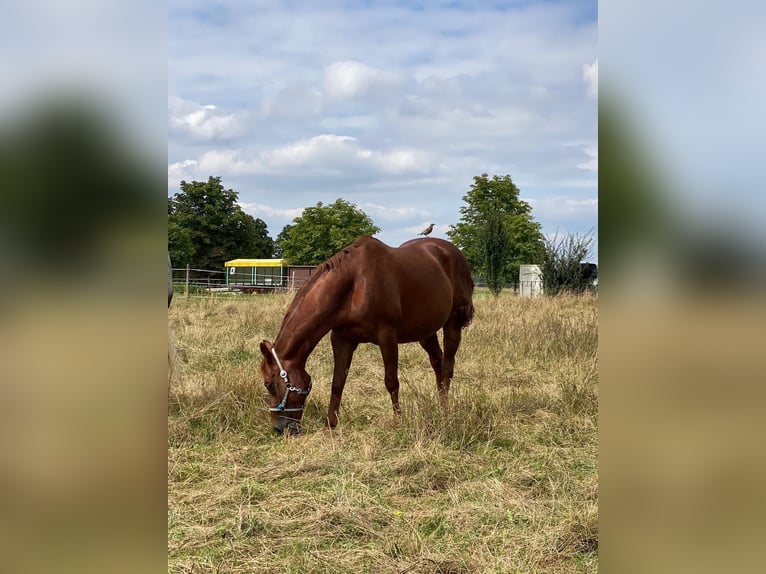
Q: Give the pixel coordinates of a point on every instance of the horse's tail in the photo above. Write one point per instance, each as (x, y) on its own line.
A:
(463, 315)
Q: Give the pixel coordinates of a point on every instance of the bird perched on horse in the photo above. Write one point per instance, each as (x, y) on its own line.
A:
(427, 230)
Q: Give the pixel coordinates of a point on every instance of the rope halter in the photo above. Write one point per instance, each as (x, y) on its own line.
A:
(281, 408)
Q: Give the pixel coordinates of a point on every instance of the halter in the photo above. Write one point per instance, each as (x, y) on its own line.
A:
(280, 408)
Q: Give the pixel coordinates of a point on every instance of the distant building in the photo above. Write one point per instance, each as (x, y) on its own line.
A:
(530, 281)
(297, 275)
(262, 275)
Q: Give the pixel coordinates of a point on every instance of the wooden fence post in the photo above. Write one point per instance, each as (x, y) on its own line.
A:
(187, 280)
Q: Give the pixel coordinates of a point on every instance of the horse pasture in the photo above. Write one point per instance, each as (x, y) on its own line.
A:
(505, 481)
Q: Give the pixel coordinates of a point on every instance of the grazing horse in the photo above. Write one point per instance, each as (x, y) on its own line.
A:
(369, 293)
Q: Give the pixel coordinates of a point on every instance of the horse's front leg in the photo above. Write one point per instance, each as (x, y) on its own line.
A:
(343, 352)
(389, 348)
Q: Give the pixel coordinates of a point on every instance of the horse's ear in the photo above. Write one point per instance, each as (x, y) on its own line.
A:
(266, 350)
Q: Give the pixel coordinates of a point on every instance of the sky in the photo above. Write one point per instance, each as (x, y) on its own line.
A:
(392, 105)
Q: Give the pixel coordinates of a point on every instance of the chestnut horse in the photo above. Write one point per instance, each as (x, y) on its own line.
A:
(369, 293)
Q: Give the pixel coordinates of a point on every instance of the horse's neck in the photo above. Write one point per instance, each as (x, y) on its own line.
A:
(309, 321)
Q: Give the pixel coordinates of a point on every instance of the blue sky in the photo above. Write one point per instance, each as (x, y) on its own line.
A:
(394, 106)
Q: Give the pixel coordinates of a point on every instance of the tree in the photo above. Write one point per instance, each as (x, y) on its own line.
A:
(562, 267)
(323, 230)
(208, 217)
(261, 245)
(495, 242)
(501, 196)
(180, 246)
(281, 238)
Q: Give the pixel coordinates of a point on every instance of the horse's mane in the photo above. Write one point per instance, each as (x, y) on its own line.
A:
(337, 261)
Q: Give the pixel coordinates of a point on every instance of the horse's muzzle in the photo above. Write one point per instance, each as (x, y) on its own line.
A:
(293, 427)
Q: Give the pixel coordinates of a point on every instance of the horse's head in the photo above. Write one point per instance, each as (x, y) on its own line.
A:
(287, 387)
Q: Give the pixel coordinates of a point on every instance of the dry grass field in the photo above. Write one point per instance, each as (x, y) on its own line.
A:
(506, 482)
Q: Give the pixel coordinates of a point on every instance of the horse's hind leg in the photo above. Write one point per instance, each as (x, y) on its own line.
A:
(452, 336)
(343, 352)
(435, 355)
(389, 348)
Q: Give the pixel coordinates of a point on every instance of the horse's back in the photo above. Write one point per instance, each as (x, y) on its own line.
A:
(451, 261)
(449, 258)
(417, 288)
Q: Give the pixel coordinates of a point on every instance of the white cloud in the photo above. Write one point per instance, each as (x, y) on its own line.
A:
(179, 171)
(396, 161)
(260, 210)
(572, 183)
(565, 207)
(214, 162)
(326, 153)
(293, 103)
(201, 122)
(592, 163)
(227, 161)
(590, 75)
(349, 79)
(321, 148)
(392, 213)
(590, 148)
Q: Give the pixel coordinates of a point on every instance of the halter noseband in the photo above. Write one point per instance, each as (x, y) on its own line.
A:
(281, 408)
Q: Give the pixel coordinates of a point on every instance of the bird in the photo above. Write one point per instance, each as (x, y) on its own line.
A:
(427, 230)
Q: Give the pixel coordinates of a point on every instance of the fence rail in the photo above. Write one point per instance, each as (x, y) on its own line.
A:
(210, 281)
(531, 288)
(192, 280)
(522, 288)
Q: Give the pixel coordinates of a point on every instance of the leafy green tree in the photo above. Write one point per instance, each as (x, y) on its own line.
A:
(501, 196)
(208, 217)
(495, 243)
(323, 230)
(261, 244)
(562, 265)
(281, 238)
(180, 246)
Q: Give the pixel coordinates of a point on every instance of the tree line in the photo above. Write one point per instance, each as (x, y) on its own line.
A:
(497, 233)
(207, 227)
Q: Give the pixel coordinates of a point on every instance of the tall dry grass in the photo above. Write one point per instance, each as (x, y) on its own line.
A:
(505, 482)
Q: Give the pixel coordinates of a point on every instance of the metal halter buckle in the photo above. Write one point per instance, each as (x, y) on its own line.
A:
(281, 408)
